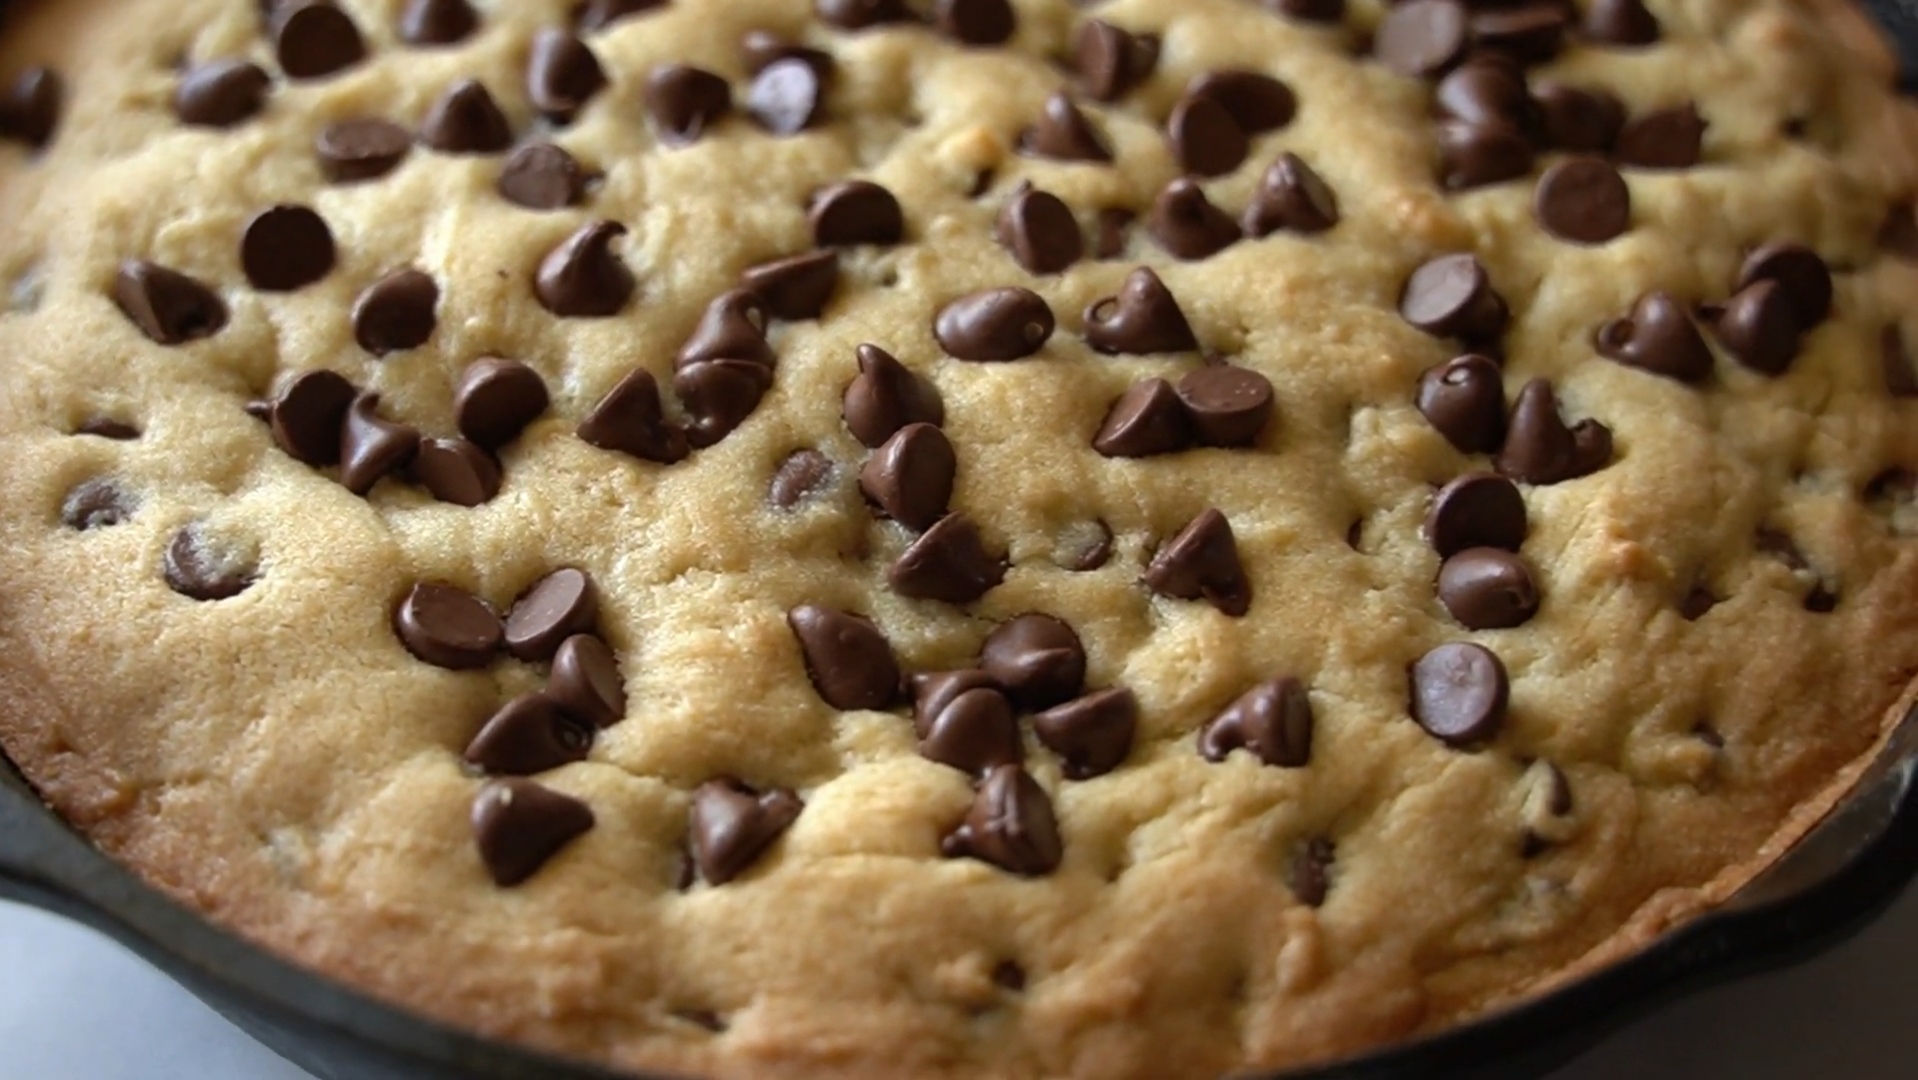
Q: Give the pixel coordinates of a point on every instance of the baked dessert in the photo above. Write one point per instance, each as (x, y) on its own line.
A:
(974, 538)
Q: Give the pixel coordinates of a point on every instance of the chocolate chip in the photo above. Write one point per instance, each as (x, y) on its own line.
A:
(860, 14)
(1310, 875)
(30, 108)
(1476, 510)
(107, 428)
(167, 306)
(586, 683)
(1229, 405)
(466, 120)
(718, 396)
(1696, 602)
(1187, 224)
(562, 75)
(371, 447)
(1473, 155)
(1111, 61)
(496, 398)
(1009, 975)
(847, 658)
(1257, 102)
(541, 176)
(308, 415)
(96, 504)
(529, 734)
(1273, 720)
(733, 327)
(886, 397)
(975, 22)
(1422, 37)
(314, 39)
(1083, 546)
(1313, 11)
(448, 627)
(1898, 234)
(1011, 825)
(1008, 323)
(1487, 589)
(1540, 449)
(582, 278)
(600, 14)
(787, 96)
(1759, 327)
(1583, 200)
(1148, 419)
(1111, 228)
(221, 93)
(732, 826)
(1620, 22)
(761, 49)
(1666, 139)
(949, 562)
(1037, 659)
(1063, 133)
(1579, 119)
(910, 477)
(855, 212)
(1038, 228)
(1202, 561)
(1658, 337)
(973, 732)
(1459, 692)
(285, 248)
(198, 567)
(557, 606)
(1901, 380)
(1205, 138)
(1529, 33)
(519, 825)
(797, 287)
(932, 691)
(1801, 274)
(455, 471)
(1143, 318)
(632, 420)
(685, 101)
(1487, 89)
(396, 312)
(1464, 398)
(803, 474)
(437, 22)
(362, 149)
(1092, 735)
(1451, 296)
(1292, 197)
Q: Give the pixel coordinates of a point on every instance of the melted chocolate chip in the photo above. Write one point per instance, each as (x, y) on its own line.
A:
(586, 683)
(975, 22)
(1422, 37)
(1620, 22)
(562, 75)
(732, 826)
(448, 627)
(96, 504)
(519, 826)
(1202, 561)
(1036, 659)
(466, 120)
(1583, 200)
(1659, 337)
(1464, 398)
(496, 398)
(167, 306)
(313, 39)
(1205, 138)
(973, 732)
(1143, 318)
(1459, 693)
(1011, 825)
(197, 567)
(363, 149)
(1579, 119)
(1488, 589)
(285, 248)
(1451, 296)
(1063, 133)
(455, 471)
(396, 312)
(796, 287)
(788, 95)
(1229, 406)
(308, 415)
(848, 660)
(437, 22)
(1290, 197)
(932, 691)
(1148, 419)
(557, 606)
(372, 447)
(529, 734)
(1038, 228)
(1111, 61)
(541, 176)
(948, 563)
(910, 477)
(632, 420)
(1476, 510)
(30, 107)
(1007, 323)
(853, 212)
(733, 327)
(1665, 139)
(1802, 276)
(221, 93)
(1540, 449)
(1273, 720)
(685, 101)
(1759, 327)
(1187, 224)
(886, 397)
(1092, 735)
(582, 278)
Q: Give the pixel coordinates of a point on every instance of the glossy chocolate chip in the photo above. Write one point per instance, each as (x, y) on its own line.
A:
(466, 120)
(632, 420)
(437, 22)
(1111, 61)
(685, 101)
(1464, 399)
(1229, 406)
(973, 732)
(732, 826)
(496, 398)
(95, 504)
(1092, 734)
(167, 305)
(1476, 510)
(519, 826)
(582, 277)
(803, 474)
(854, 212)
(361, 149)
(1486, 90)
(796, 287)
(313, 39)
(1038, 228)
(1011, 825)
(910, 478)
(1459, 693)
(197, 566)
(1540, 448)
(1759, 327)
(1665, 139)
(1802, 276)
(860, 14)
(372, 447)
(541, 176)
(1488, 589)
(285, 248)
(1451, 296)
(1579, 119)
(886, 397)
(733, 327)
(787, 95)
(1583, 200)
(309, 414)
(1290, 197)
(30, 106)
(932, 691)
(975, 22)
(1148, 419)
(455, 471)
(396, 312)
(529, 734)
(1473, 155)
(557, 606)
(1007, 323)
(1659, 337)
(1620, 22)
(1143, 318)
(221, 93)
(1063, 133)
(1530, 33)
(1112, 227)
(1273, 720)
(1204, 137)
(562, 74)
(448, 627)
(1256, 102)
(596, 15)
(848, 660)
(948, 563)
(1422, 37)
(1202, 562)
(1189, 225)
(1036, 659)
(585, 681)
(1310, 876)
(718, 396)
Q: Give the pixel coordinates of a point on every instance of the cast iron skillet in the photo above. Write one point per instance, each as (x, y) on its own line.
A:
(1847, 871)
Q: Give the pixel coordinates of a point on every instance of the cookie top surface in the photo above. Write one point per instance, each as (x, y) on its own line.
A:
(1026, 538)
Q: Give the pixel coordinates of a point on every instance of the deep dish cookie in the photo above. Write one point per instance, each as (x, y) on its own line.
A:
(968, 538)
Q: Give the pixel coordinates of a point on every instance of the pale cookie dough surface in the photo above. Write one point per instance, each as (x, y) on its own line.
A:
(279, 759)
